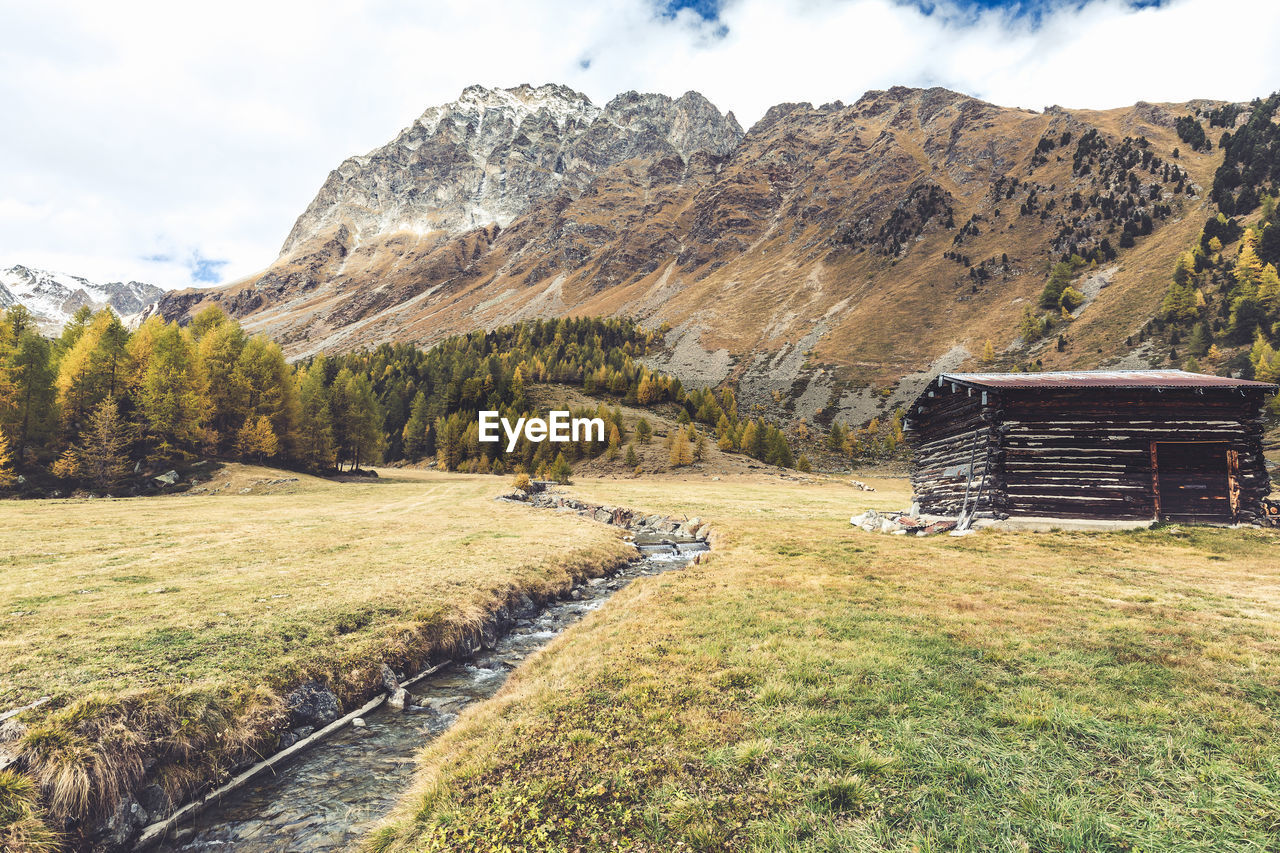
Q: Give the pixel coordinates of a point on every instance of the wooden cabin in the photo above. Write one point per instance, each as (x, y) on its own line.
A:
(1114, 444)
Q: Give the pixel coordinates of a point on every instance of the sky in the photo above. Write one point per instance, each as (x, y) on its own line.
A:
(176, 143)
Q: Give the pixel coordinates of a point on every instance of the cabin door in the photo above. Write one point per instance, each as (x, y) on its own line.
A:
(1192, 481)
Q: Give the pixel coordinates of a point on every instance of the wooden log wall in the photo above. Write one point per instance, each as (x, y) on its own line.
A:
(1086, 453)
(1075, 453)
(954, 428)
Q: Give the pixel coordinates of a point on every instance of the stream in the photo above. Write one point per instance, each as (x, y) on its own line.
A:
(330, 796)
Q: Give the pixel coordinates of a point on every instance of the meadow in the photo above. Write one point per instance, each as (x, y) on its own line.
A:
(806, 687)
(165, 630)
(811, 687)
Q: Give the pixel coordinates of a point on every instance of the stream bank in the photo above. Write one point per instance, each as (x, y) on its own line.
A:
(327, 797)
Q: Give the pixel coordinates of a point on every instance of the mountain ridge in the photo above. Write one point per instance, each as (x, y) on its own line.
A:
(54, 297)
(830, 254)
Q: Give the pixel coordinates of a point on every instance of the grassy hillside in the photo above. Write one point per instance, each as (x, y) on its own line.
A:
(813, 687)
(166, 629)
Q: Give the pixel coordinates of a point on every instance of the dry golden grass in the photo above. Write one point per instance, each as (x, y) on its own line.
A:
(167, 627)
(815, 687)
(110, 595)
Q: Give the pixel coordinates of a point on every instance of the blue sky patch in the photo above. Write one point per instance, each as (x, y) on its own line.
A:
(205, 270)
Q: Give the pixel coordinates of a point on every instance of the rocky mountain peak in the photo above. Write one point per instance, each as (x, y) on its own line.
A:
(488, 156)
(52, 298)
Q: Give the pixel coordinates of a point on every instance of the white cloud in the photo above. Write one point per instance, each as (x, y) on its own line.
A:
(133, 131)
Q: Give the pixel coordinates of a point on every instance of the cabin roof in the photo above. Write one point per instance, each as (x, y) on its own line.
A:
(1101, 379)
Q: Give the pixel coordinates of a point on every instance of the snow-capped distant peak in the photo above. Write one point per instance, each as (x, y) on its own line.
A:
(53, 297)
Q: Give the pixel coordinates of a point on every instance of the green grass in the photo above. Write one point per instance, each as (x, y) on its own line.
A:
(815, 688)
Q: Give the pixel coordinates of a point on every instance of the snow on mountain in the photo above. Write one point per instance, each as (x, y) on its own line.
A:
(54, 297)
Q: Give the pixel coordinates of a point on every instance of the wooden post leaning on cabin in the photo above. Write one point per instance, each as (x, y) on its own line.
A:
(1233, 483)
(1155, 479)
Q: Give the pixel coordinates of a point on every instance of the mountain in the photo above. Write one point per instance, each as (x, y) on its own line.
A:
(54, 297)
(827, 260)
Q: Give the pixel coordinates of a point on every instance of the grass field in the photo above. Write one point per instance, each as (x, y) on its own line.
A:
(812, 687)
(165, 629)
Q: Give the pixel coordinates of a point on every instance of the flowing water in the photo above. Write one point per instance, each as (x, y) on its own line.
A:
(332, 794)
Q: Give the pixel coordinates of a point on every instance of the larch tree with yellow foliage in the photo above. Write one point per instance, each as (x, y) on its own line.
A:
(7, 475)
(681, 449)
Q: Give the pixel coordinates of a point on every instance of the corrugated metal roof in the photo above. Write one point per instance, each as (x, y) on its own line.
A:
(1101, 379)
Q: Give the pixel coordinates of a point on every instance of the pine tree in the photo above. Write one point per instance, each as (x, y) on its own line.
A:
(74, 328)
(988, 352)
(68, 465)
(644, 432)
(1269, 288)
(802, 464)
(1248, 269)
(170, 393)
(681, 449)
(93, 370)
(219, 349)
(1200, 341)
(7, 476)
(836, 437)
(647, 393)
(257, 439)
(751, 441)
(1071, 299)
(631, 459)
(358, 418)
(417, 428)
(1032, 328)
(1266, 361)
(27, 394)
(1179, 303)
(102, 457)
(315, 448)
(615, 442)
(560, 470)
(777, 451)
(265, 381)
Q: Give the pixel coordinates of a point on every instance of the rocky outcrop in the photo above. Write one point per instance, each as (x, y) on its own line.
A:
(489, 156)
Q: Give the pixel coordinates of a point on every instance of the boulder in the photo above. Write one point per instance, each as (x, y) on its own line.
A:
(868, 521)
(389, 681)
(399, 700)
(168, 478)
(313, 704)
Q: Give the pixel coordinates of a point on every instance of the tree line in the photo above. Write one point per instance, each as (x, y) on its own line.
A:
(101, 402)
(431, 398)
